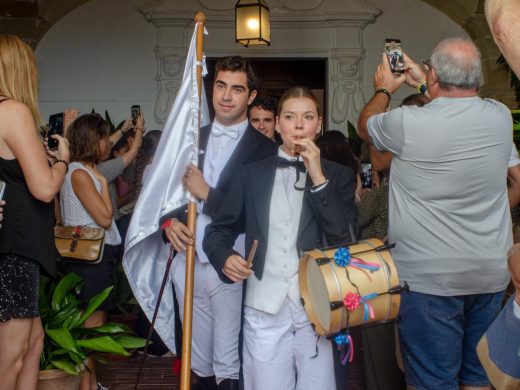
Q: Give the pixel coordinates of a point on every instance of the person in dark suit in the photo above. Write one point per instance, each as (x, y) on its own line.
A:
(225, 145)
(289, 205)
(261, 114)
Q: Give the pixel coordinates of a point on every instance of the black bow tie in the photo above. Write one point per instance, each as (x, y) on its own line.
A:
(298, 164)
(284, 163)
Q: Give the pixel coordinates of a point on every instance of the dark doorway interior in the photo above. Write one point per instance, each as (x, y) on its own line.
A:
(277, 74)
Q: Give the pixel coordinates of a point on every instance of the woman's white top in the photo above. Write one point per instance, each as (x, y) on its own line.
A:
(72, 211)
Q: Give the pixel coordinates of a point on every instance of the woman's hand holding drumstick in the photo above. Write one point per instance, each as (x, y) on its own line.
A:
(238, 269)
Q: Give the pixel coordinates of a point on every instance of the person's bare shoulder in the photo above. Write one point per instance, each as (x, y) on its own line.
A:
(16, 121)
(13, 112)
(12, 108)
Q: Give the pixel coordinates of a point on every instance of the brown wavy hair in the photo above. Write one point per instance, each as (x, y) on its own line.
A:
(84, 136)
(298, 92)
(18, 74)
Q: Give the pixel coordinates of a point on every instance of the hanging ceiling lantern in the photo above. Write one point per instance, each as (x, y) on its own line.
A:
(252, 24)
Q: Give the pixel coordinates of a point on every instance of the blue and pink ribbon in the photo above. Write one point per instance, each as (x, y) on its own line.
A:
(342, 258)
(345, 345)
(352, 301)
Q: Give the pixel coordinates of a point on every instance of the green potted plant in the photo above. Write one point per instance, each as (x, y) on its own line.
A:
(67, 344)
(125, 303)
(353, 139)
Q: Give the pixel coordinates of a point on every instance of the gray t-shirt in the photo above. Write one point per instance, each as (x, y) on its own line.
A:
(111, 169)
(448, 207)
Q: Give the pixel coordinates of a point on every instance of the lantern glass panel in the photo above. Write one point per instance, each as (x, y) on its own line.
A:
(265, 24)
(248, 25)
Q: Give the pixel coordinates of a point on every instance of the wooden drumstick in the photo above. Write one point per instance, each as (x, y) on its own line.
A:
(379, 248)
(252, 253)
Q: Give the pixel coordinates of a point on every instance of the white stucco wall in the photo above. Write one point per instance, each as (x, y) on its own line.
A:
(102, 56)
(99, 56)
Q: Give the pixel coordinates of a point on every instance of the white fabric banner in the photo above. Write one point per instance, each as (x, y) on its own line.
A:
(146, 254)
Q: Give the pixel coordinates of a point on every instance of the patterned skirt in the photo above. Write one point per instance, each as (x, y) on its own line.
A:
(19, 287)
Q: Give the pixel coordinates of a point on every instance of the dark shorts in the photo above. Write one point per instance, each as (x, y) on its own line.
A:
(19, 287)
(122, 225)
(96, 277)
(439, 336)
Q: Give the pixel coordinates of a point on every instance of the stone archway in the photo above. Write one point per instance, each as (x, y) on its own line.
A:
(469, 14)
(31, 19)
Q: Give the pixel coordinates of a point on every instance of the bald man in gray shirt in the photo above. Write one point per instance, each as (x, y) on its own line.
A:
(448, 211)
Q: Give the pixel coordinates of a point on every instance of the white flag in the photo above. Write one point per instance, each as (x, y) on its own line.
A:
(146, 254)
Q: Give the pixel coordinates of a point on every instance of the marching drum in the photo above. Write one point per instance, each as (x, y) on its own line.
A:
(349, 286)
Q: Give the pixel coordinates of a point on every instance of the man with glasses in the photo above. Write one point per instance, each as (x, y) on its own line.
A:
(448, 211)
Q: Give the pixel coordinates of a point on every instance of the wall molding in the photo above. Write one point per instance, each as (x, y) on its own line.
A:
(315, 29)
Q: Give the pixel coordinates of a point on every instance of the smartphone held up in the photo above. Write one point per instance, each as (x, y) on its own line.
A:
(135, 111)
(366, 174)
(55, 127)
(394, 52)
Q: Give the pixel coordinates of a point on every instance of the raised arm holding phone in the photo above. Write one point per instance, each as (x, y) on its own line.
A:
(26, 236)
(449, 262)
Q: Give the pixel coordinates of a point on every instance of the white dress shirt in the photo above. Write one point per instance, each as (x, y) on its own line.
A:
(222, 142)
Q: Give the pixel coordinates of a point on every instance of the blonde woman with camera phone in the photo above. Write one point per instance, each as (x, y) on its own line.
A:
(27, 235)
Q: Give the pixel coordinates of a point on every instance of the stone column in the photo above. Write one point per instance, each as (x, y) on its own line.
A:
(347, 94)
(169, 78)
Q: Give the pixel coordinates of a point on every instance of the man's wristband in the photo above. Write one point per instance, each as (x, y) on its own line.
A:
(383, 90)
(168, 223)
(422, 88)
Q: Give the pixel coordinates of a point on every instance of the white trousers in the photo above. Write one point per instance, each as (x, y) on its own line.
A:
(216, 321)
(283, 352)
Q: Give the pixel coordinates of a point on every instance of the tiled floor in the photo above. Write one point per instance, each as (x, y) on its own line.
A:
(157, 374)
(121, 374)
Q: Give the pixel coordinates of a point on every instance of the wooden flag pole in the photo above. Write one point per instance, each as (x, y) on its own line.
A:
(200, 20)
